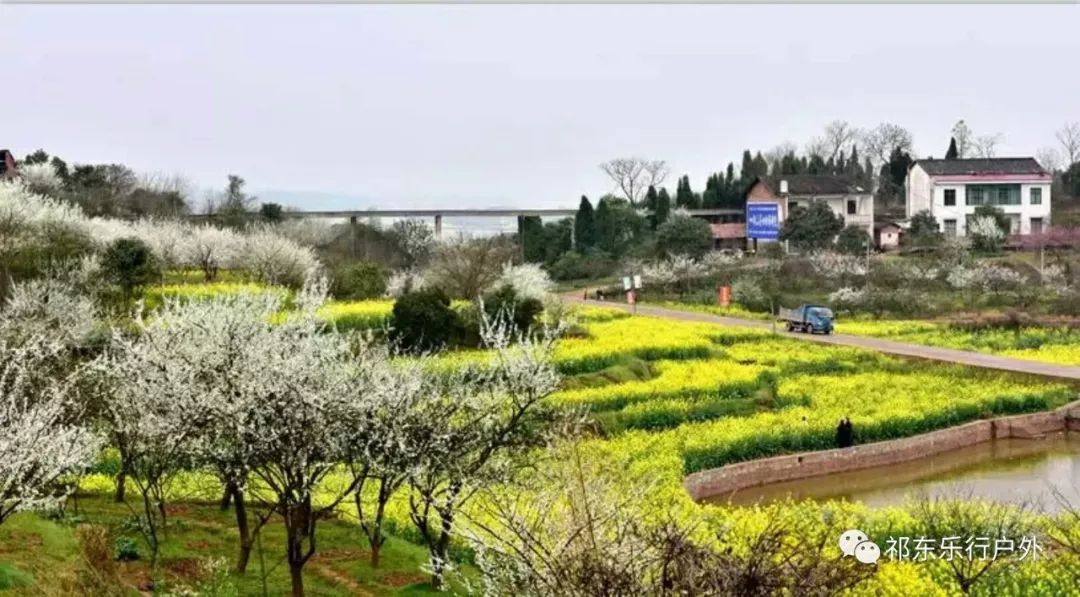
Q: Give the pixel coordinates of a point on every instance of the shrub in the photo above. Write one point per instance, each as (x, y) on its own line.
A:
(97, 552)
(423, 321)
(771, 250)
(577, 266)
(359, 281)
(853, 240)
(750, 295)
(127, 550)
(129, 263)
(506, 302)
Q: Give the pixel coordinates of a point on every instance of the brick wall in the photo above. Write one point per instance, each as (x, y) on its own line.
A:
(741, 475)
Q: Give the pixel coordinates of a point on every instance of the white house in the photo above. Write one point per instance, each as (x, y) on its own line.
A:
(849, 201)
(952, 189)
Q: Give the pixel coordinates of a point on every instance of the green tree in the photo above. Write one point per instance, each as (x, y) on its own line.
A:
(854, 168)
(531, 238)
(130, 264)
(235, 203)
(952, 153)
(684, 235)
(1071, 179)
(746, 174)
(663, 207)
(38, 157)
(812, 227)
(684, 195)
(271, 212)
(557, 239)
(712, 196)
(924, 230)
(617, 225)
(853, 240)
(761, 167)
(584, 225)
(650, 205)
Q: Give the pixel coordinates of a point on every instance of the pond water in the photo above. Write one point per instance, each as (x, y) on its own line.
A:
(1004, 470)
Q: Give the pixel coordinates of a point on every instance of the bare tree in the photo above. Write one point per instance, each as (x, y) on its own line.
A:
(984, 146)
(1069, 137)
(576, 530)
(964, 139)
(1049, 158)
(465, 268)
(945, 517)
(880, 141)
(838, 135)
(775, 155)
(633, 176)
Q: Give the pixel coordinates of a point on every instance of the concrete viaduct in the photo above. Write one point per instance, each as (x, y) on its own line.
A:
(438, 214)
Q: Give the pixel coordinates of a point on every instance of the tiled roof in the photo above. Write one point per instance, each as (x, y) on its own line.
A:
(984, 166)
(811, 184)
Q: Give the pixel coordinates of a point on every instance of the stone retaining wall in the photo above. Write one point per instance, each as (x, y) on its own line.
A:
(734, 477)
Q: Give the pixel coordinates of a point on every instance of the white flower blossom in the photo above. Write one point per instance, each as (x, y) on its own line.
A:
(528, 280)
(41, 177)
(406, 280)
(38, 444)
(847, 297)
(837, 265)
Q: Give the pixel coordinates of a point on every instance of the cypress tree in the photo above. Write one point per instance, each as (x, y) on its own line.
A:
(747, 171)
(650, 204)
(684, 195)
(854, 170)
(952, 153)
(585, 225)
(711, 197)
(532, 239)
(663, 207)
(605, 233)
(761, 166)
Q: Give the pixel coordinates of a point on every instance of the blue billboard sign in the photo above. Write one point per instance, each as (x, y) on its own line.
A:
(763, 221)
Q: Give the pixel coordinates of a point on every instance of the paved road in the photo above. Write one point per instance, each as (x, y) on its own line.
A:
(962, 357)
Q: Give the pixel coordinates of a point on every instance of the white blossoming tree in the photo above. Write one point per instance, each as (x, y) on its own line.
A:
(986, 235)
(481, 418)
(41, 178)
(40, 438)
(528, 280)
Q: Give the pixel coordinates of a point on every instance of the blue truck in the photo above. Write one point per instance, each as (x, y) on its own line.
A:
(808, 318)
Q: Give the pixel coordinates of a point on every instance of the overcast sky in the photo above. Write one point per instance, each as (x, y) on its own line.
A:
(512, 105)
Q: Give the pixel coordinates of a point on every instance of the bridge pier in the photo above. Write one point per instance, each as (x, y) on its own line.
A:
(354, 235)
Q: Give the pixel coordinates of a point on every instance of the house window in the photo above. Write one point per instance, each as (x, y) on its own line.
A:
(852, 207)
(997, 194)
(1036, 196)
(950, 227)
(1036, 225)
(950, 197)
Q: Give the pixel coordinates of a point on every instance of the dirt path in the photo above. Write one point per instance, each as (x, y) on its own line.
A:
(949, 355)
